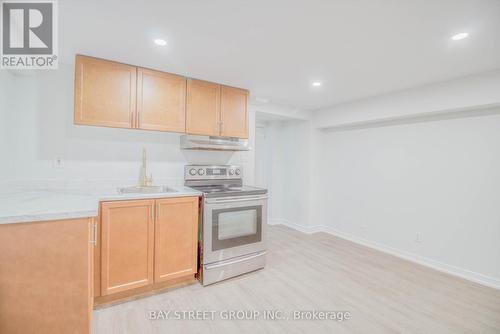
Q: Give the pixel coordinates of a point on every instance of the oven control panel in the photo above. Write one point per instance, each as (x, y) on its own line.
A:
(210, 172)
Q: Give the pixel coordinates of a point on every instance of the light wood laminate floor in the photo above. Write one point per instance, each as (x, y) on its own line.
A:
(384, 294)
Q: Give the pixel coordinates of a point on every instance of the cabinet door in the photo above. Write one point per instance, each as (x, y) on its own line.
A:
(127, 242)
(234, 112)
(46, 277)
(176, 238)
(105, 93)
(202, 108)
(161, 101)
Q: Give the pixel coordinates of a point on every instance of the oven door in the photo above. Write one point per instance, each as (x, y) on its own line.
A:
(233, 226)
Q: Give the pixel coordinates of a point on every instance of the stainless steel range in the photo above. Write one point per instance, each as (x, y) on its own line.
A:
(233, 224)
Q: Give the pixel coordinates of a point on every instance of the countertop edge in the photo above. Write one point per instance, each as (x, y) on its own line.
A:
(34, 218)
(89, 213)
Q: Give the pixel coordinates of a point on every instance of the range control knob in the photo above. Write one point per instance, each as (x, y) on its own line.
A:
(192, 172)
(238, 172)
(231, 172)
(201, 171)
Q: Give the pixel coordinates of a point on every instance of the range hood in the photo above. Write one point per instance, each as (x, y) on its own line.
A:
(210, 143)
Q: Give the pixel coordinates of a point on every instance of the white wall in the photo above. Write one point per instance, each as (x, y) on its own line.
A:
(262, 174)
(41, 123)
(5, 91)
(380, 183)
(466, 92)
(276, 112)
(286, 149)
(440, 179)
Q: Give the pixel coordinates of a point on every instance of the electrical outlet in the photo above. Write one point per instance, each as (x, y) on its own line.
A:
(418, 238)
(58, 162)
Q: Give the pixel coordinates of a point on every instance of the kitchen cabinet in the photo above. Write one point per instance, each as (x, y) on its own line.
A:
(161, 101)
(117, 95)
(234, 112)
(105, 93)
(216, 110)
(146, 245)
(46, 277)
(203, 108)
(176, 238)
(127, 245)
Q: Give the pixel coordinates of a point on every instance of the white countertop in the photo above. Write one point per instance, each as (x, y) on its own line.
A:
(32, 205)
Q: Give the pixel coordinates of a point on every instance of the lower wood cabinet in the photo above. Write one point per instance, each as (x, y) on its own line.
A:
(127, 244)
(176, 238)
(46, 277)
(145, 242)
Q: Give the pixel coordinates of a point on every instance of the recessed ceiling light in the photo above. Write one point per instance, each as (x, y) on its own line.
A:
(160, 42)
(459, 36)
(316, 84)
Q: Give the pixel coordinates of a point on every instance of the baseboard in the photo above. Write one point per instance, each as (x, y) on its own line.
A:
(298, 227)
(488, 281)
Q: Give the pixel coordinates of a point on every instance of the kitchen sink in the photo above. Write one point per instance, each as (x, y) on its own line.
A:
(146, 190)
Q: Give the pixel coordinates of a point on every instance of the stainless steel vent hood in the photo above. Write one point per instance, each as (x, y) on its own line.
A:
(191, 142)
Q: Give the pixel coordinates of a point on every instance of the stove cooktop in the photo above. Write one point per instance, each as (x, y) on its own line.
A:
(226, 191)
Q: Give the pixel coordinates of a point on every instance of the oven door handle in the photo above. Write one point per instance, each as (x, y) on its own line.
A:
(234, 199)
(228, 263)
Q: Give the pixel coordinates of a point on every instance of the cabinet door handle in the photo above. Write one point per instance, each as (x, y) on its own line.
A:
(158, 212)
(94, 233)
(137, 118)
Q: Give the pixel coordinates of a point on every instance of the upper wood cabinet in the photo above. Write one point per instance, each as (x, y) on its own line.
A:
(105, 93)
(161, 101)
(127, 245)
(216, 110)
(203, 108)
(234, 112)
(176, 238)
(123, 96)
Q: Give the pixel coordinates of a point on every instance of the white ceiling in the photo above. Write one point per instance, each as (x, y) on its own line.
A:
(276, 48)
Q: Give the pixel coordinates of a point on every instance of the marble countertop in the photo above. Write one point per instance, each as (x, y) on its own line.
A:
(32, 205)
